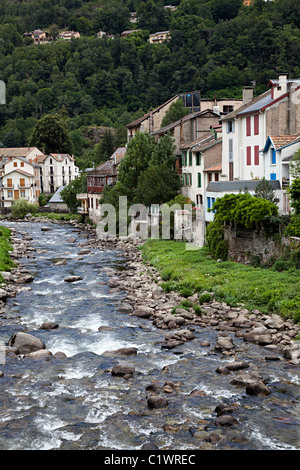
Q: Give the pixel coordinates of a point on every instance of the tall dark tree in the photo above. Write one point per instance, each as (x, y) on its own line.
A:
(51, 135)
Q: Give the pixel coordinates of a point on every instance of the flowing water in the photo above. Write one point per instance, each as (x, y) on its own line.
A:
(75, 403)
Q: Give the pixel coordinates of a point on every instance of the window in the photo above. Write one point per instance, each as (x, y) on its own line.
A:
(9, 183)
(230, 150)
(273, 176)
(208, 203)
(256, 155)
(199, 180)
(216, 176)
(51, 170)
(230, 127)
(198, 158)
(256, 124)
(190, 158)
(273, 157)
(227, 108)
(51, 161)
(184, 158)
(22, 182)
(209, 177)
(9, 193)
(22, 193)
(15, 164)
(248, 126)
(22, 164)
(199, 199)
(248, 155)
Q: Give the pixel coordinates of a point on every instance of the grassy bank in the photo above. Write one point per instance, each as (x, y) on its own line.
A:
(5, 247)
(190, 271)
(60, 216)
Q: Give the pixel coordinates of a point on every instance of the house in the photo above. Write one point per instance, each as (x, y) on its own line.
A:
(20, 179)
(14, 152)
(159, 37)
(38, 36)
(97, 179)
(127, 32)
(277, 154)
(56, 170)
(151, 122)
(218, 189)
(68, 35)
(245, 131)
(252, 137)
(56, 202)
(201, 163)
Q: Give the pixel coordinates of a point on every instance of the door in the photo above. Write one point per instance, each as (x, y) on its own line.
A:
(16, 194)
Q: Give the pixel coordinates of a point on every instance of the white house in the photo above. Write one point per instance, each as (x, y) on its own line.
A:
(56, 170)
(20, 180)
(248, 137)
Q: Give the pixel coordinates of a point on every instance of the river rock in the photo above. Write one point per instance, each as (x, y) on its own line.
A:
(84, 251)
(40, 354)
(125, 371)
(262, 339)
(49, 325)
(72, 278)
(237, 365)
(226, 420)
(25, 343)
(258, 388)
(157, 401)
(46, 229)
(3, 294)
(224, 343)
(120, 352)
(125, 308)
(143, 311)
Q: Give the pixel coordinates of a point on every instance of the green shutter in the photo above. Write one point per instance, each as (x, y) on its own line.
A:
(199, 180)
(198, 158)
(190, 158)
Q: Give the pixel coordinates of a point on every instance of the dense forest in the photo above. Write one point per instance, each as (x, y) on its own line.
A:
(215, 46)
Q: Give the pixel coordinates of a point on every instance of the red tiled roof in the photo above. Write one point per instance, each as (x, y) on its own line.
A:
(282, 140)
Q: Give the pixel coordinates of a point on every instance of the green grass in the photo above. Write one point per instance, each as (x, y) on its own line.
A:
(56, 216)
(5, 247)
(190, 271)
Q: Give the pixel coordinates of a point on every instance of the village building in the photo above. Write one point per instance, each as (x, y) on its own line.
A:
(250, 135)
(26, 152)
(56, 203)
(151, 122)
(56, 170)
(159, 37)
(20, 179)
(68, 35)
(38, 36)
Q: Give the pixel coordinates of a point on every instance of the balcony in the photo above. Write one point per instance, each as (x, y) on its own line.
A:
(6, 186)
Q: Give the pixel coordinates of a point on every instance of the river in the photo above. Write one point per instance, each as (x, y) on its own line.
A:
(74, 403)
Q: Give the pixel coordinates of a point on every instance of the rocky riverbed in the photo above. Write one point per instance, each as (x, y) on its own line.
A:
(223, 379)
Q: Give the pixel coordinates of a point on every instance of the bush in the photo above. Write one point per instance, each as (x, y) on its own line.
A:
(21, 208)
(205, 298)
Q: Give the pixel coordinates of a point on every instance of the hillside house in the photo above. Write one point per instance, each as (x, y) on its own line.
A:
(68, 35)
(13, 152)
(159, 37)
(38, 36)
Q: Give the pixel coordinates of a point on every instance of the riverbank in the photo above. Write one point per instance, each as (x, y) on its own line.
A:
(175, 377)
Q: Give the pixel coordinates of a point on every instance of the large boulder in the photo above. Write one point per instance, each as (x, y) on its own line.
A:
(25, 343)
(125, 371)
(143, 311)
(121, 352)
(157, 401)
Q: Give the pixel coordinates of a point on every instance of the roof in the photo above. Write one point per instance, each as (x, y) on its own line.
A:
(240, 185)
(56, 196)
(217, 167)
(185, 118)
(16, 151)
(281, 141)
(206, 141)
(118, 155)
(60, 156)
(18, 170)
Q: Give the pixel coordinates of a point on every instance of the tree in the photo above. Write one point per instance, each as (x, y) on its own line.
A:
(69, 193)
(175, 112)
(50, 135)
(264, 190)
(158, 184)
(105, 148)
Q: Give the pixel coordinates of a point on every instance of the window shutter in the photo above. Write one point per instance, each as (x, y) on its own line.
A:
(256, 124)
(256, 155)
(248, 155)
(248, 126)
(230, 150)
(199, 180)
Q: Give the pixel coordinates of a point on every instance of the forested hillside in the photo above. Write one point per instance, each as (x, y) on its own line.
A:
(216, 46)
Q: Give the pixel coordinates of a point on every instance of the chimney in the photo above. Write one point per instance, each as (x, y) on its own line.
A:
(281, 88)
(247, 94)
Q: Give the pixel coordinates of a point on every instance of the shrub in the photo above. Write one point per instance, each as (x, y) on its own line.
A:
(205, 298)
(21, 208)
